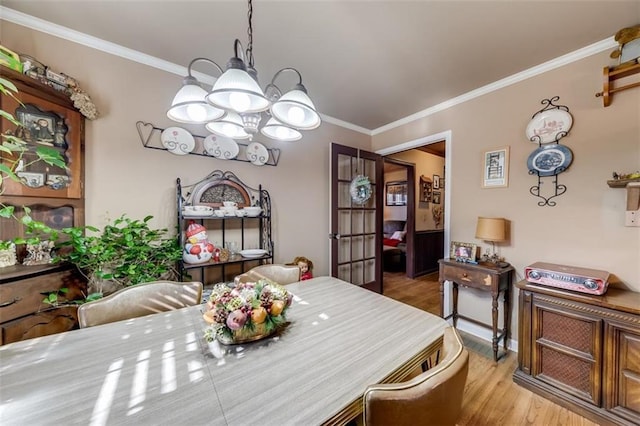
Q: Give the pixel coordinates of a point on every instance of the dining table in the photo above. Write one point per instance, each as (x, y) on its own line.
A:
(159, 369)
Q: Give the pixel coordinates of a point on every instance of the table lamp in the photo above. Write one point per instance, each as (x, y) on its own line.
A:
(492, 229)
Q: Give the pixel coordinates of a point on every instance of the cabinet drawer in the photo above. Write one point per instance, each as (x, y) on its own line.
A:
(41, 324)
(466, 277)
(24, 297)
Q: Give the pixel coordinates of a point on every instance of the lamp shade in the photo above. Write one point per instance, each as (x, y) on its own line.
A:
(230, 126)
(279, 131)
(295, 109)
(491, 229)
(189, 105)
(236, 90)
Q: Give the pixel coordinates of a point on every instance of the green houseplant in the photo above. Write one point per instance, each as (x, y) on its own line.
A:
(124, 253)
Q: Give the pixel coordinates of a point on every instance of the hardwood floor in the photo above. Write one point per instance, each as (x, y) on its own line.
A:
(491, 397)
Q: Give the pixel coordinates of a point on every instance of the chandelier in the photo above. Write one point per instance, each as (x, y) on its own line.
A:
(235, 104)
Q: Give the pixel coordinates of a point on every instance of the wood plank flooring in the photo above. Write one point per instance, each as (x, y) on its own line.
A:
(491, 397)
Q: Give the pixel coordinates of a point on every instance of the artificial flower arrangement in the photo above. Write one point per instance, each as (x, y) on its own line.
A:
(249, 311)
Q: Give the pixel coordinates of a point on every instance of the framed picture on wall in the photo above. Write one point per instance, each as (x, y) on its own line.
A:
(436, 182)
(436, 197)
(396, 193)
(495, 170)
(425, 189)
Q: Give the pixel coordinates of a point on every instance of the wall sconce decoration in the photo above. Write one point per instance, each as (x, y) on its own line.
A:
(546, 128)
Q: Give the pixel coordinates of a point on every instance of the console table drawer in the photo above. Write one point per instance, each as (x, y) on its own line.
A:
(466, 277)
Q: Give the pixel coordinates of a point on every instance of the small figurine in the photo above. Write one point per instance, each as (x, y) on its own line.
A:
(197, 248)
(39, 253)
(306, 267)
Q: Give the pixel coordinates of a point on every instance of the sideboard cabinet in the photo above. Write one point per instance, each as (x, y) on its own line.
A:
(581, 351)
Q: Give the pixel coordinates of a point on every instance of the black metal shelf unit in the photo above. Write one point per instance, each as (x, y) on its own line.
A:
(212, 191)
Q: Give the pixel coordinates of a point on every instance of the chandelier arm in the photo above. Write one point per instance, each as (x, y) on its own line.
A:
(239, 52)
(283, 70)
(203, 60)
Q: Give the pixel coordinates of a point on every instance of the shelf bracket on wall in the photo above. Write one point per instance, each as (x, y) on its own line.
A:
(150, 138)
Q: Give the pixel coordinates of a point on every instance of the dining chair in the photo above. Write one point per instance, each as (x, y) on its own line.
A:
(282, 274)
(140, 300)
(432, 398)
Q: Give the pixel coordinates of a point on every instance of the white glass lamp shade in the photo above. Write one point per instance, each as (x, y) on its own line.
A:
(230, 126)
(295, 109)
(235, 90)
(276, 130)
(189, 105)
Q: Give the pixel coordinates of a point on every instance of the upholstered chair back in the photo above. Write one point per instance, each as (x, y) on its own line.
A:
(282, 274)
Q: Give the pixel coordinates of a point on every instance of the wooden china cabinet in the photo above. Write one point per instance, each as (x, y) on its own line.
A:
(55, 196)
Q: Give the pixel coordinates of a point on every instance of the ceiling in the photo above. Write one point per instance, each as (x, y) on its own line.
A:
(366, 63)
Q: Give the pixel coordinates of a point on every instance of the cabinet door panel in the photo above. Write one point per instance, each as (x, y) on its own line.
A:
(622, 389)
(567, 350)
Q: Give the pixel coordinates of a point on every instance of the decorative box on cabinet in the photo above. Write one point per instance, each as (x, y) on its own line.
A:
(22, 289)
(248, 232)
(581, 351)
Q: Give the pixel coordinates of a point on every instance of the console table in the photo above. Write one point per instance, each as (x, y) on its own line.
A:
(485, 277)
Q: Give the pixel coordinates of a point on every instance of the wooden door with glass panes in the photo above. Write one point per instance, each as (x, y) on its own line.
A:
(356, 216)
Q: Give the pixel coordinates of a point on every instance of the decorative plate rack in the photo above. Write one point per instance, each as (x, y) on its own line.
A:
(186, 143)
(546, 128)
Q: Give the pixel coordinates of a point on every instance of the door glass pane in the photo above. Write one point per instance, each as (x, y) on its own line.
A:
(344, 249)
(370, 246)
(344, 222)
(357, 249)
(344, 167)
(344, 272)
(370, 170)
(344, 196)
(357, 226)
(356, 268)
(369, 271)
(369, 222)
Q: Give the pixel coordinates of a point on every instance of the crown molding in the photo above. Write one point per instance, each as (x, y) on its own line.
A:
(558, 62)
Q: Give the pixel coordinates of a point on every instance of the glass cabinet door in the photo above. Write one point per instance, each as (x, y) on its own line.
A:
(50, 125)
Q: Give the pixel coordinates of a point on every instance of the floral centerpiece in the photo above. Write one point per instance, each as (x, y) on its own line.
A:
(246, 312)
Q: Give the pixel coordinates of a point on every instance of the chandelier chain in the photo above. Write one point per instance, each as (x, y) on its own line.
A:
(250, 35)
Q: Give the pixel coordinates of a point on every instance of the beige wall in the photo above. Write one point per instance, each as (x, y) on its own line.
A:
(586, 227)
(124, 177)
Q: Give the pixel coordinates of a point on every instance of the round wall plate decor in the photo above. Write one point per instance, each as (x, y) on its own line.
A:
(550, 160)
(360, 189)
(549, 126)
(257, 154)
(177, 140)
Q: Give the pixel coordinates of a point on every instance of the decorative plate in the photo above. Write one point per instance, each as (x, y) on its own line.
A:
(177, 140)
(257, 153)
(253, 253)
(360, 189)
(221, 147)
(550, 160)
(549, 126)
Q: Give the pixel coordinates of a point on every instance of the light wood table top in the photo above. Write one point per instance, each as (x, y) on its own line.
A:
(159, 370)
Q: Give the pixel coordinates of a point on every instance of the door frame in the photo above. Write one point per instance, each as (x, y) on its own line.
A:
(447, 136)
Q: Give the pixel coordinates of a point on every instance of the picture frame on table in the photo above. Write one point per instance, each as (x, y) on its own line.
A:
(436, 182)
(495, 170)
(463, 252)
(396, 193)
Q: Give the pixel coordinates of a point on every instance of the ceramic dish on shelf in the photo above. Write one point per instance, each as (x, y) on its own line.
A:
(221, 147)
(177, 140)
(550, 160)
(194, 211)
(257, 153)
(549, 126)
(252, 211)
(253, 253)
